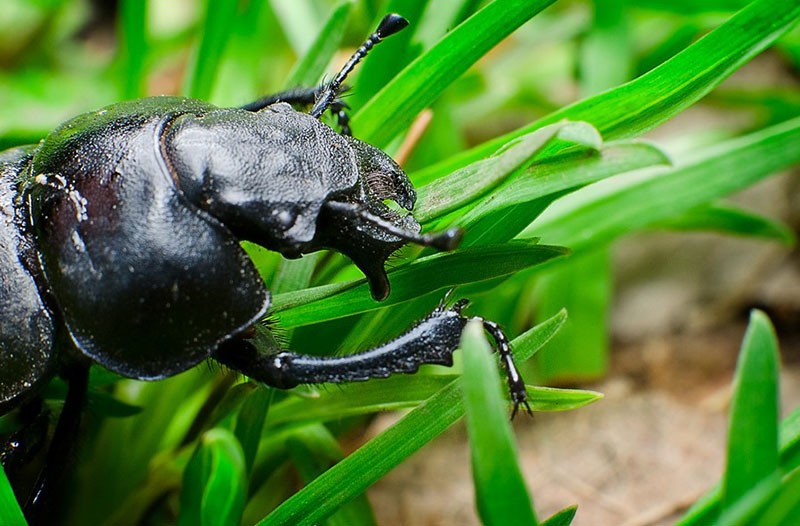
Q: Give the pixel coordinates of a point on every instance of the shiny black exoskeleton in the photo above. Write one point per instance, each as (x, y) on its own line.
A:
(120, 231)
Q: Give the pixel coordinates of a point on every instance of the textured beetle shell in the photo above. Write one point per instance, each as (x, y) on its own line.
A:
(147, 283)
(26, 328)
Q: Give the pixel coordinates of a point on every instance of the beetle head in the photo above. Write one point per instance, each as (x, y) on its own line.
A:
(359, 224)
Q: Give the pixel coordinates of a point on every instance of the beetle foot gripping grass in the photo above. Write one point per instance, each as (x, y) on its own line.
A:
(121, 232)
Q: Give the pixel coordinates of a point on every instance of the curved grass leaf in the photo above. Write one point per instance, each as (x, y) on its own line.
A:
(500, 493)
(419, 84)
(214, 483)
(475, 180)
(423, 275)
(10, 512)
(133, 49)
(250, 423)
(402, 392)
(219, 17)
(598, 214)
(732, 220)
(308, 70)
(354, 474)
(785, 506)
(665, 91)
(562, 518)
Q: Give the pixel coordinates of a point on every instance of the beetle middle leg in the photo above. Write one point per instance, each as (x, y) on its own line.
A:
(431, 341)
(305, 97)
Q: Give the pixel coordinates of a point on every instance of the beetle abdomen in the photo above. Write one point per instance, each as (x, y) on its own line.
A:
(26, 329)
(148, 285)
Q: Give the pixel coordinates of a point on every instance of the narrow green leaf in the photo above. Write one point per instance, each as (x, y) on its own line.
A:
(500, 492)
(219, 17)
(402, 392)
(418, 85)
(562, 518)
(362, 468)
(300, 20)
(308, 70)
(730, 219)
(475, 180)
(462, 266)
(600, 213)
(214, 483)
(785, 506)
(10, 512)
(665, 91)
(133, 48)
(250, 423)
(753, 428)
(516, 204)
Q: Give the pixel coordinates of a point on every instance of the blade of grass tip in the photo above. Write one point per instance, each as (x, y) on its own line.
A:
(10, 512)
(665, 91)
(562, 518)
(219, 17)
(358, 471)
(214, 483)
(308, 70)
(394, 107)
(730, 219)
(500, 492)
(753, 428)
(133, 47)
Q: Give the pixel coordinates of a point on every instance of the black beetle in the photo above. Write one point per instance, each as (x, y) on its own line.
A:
(119, 245)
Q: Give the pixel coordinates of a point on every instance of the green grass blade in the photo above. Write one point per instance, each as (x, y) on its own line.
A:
(133, 48)
(250, 423)
(562, 518)
(214, 483)
(354, 474)
(665, 91)
(426, 274)
(10, 512)
(418, 85)
(308, 70)
(500, 492)
(402, 392)
(596, 215)
(475, 180)
(300, 20)
(753, 428)
(730, 219)
(219, 18)
(514, 205)
(785, 507)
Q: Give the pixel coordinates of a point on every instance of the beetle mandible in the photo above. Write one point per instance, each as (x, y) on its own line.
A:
(119, 244)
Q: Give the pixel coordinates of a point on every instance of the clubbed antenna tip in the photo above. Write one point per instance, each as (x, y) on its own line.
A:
(391, 24)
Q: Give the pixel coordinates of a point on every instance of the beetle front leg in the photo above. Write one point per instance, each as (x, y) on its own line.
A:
(431, 341)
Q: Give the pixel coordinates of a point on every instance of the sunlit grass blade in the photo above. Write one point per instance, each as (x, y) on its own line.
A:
(665, 91)
(732, 220)
(395, 106)
(424, 275)
(500, 492)
(785, 506)
(219, 17)
(562, 518)
(133, 48)
(214, 483)
(598, 214)
(401, 392)
(516, 204)
(471, 182)
(753, 428)
(10, 512)
(309, 69)
(300, 20)
(354, 474)
(313, 450)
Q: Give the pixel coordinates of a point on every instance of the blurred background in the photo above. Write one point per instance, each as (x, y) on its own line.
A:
(656, 319)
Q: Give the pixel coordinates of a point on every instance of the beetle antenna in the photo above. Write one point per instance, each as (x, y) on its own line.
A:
(446, 240)
(391, 24)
